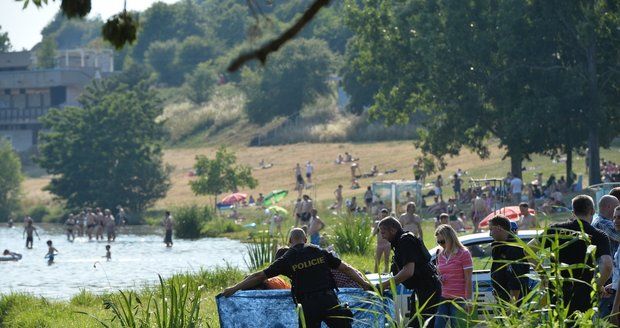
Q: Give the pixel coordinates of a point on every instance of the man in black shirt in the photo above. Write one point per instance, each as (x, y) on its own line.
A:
(308, 267)
(509, 267)
(411, 266)
(574, 237)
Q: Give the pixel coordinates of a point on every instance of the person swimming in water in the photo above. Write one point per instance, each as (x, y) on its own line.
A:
(51, 252)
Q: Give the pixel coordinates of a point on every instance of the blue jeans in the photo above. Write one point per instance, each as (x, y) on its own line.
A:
(447, 311)
(604, 307)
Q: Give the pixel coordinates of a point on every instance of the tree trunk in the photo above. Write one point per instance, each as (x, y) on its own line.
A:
(569, 166)
(516, 161)
(595, 116)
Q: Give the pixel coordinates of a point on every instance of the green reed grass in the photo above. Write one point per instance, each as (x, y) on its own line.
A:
(353, 235)
(260, 251)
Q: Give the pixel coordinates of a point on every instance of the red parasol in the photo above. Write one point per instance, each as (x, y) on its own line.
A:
(234, 198)
(511, 212)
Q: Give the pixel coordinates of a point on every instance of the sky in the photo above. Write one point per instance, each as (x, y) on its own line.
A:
(24, 25)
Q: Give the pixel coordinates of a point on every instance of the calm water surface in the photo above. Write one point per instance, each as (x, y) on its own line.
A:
(138, 256)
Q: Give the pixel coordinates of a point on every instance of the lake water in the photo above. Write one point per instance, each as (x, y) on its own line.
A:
(138, 256)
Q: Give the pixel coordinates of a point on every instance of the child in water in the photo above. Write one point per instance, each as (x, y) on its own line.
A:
(108, 253)
(51, 251)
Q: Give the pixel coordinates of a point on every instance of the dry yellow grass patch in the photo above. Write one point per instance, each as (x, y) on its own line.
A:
(386, 155)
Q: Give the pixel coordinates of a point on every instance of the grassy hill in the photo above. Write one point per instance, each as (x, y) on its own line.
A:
(398, 155)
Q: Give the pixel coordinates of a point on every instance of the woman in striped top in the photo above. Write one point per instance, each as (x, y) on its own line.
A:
(455, 268)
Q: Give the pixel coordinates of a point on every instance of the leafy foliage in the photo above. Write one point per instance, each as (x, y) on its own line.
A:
(46, 54)
(199, 84)
(160, 58)
(221, 174)
(5, 42)
(120, 29)
(107, 153)
(193, 51)
(471, 70)
(10, 180)
(189, 220)
(72, 33)
(175, 304)
(295, 76)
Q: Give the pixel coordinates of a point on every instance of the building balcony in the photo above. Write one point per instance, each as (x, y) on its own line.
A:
(21, 116)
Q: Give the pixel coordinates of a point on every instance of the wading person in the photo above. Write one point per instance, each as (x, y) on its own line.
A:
(509, 267)
(574, 237)
(313, 286)
(28, 231)
(168, 224)
(411, 266)
(69, 226)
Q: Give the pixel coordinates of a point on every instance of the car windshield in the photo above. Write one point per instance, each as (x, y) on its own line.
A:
(481, 253)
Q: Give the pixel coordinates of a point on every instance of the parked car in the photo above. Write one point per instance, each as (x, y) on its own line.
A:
(479, 245)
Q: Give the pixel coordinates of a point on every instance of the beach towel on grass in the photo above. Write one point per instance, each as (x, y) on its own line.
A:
(275, 309)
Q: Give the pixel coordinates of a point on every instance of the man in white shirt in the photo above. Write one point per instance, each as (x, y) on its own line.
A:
(516, 185)
(309, 171)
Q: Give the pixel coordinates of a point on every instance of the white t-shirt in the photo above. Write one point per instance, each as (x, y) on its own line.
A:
(309, 169)
(516, 185)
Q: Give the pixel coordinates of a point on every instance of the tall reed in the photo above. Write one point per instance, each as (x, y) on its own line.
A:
(353, 235)
(260, 251)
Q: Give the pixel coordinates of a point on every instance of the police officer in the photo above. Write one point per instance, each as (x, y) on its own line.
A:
(573, 238)
(509, 268)
(308, 267)
(411, 266)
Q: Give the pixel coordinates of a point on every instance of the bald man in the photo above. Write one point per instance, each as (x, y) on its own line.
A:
(308, 267)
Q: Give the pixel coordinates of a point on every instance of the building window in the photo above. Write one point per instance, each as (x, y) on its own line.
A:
(7, 92)
(22, 91)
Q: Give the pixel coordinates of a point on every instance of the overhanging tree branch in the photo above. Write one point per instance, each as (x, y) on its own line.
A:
(262, 52)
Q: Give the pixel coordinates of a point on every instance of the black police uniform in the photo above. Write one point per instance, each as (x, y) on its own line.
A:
(425, 281)
(573, 251)
(308, 267)
(509, 270)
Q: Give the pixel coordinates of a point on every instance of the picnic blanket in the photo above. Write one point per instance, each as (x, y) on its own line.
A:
(275, 309)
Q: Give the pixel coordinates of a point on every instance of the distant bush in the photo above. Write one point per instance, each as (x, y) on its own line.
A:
(295, 76)
(189, 220)
(199, 84)
(38, 212)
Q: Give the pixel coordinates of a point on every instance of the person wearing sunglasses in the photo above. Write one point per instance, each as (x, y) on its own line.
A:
(455, 267)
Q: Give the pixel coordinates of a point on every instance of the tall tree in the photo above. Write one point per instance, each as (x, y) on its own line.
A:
(109, 152)
(46, 53)
(296, 75)
(221, 174)
(587, 37)
(472, 70)
(10, 179)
